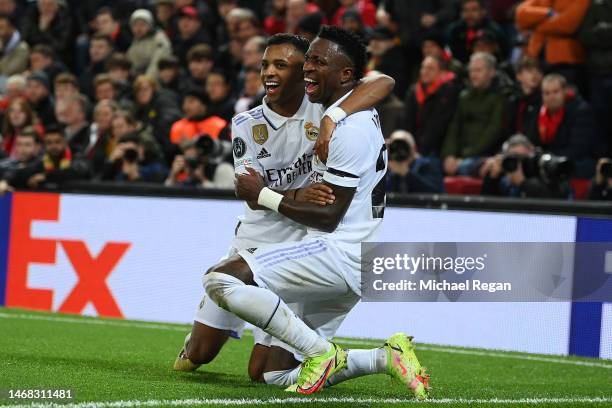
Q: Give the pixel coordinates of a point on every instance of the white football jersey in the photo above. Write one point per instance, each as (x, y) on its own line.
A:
(357, 158)
(281, 150)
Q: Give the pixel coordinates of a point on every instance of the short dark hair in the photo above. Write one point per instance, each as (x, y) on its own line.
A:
(200, 52)
(350, 44)
(106, 10)
(54, 128)
(118, 60)
(169, 62)
(66, 78)
(528, 63)
(42, 49)
(103, 37)
(223, 74)
(300, 43)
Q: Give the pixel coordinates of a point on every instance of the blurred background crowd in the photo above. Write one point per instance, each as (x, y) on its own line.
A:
(499, 97)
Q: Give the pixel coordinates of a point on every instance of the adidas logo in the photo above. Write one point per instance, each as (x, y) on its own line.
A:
(263, 154)
(251, 250)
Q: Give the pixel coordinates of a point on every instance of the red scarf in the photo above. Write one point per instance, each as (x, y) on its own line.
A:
(548, 124)
(64, 162)
(422, 93)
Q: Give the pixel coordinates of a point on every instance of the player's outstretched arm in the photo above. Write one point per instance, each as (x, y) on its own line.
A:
(325, 218)
(369, 92)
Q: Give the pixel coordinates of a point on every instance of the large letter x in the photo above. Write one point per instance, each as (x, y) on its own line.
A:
(92, 273)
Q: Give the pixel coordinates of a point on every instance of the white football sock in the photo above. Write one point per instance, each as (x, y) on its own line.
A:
(264, 309)
(360, 363)
(282, 377)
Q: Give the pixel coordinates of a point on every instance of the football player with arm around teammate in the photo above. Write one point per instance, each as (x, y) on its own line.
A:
(277, 139)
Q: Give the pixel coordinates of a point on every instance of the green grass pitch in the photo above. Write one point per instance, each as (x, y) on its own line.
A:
(114, 363)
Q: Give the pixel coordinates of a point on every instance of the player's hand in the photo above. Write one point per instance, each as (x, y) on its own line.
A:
(248, 185)
(318, 193)
(321, 148)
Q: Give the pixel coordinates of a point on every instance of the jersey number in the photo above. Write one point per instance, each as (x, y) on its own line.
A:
(379, 197)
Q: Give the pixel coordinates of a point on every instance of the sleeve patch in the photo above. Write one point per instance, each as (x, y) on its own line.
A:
(239, 147)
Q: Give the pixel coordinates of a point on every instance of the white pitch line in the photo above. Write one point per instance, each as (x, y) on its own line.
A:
(313, 400)
(439, 349)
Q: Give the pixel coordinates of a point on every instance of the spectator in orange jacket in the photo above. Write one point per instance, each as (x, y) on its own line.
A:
(553, 25)
(197, 121)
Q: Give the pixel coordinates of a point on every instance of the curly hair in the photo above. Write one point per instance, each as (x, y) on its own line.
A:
(350, 45)
(300, 43)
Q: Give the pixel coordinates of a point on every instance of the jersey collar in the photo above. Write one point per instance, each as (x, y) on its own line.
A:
(277, 121)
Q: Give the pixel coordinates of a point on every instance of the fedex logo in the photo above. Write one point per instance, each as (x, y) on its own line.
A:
(92, 270)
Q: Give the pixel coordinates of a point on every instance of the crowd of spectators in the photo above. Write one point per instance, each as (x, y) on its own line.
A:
(514, 97)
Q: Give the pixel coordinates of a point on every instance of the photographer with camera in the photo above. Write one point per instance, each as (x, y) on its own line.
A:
(203, 163)
(601, 189)
(523, 171)
(128, 162)
(408, 172)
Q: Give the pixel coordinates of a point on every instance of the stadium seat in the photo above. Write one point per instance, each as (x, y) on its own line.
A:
(580, 187)
(462, 185)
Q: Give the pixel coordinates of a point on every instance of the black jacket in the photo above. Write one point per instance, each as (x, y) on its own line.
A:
(181, 47)
(457, 39)
(45, 109)
(158, 116)
(429, 123)
(596, 35)
(59, 35)
(79, 141)
(395, 63)
(525, 112)
(578, 137)
(407, 14)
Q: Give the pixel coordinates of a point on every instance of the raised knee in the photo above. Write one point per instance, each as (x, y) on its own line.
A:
(215, 285)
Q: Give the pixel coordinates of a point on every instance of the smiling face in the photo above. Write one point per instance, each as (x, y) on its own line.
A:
(281, 73)
(326, 69)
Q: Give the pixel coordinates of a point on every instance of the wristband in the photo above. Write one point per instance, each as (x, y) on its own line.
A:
(269, 199)
(336, 114)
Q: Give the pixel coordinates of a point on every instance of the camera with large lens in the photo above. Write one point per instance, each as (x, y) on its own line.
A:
(192, 162)
(130, 155)
(399, 150)
(213, 148)
(545, 166)
(555, 168)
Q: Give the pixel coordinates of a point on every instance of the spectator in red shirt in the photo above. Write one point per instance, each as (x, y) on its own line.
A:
(274, 23)
(366, 9)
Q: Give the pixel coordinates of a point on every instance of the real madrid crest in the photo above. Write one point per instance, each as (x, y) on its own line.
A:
(312, 132)
(260, 134)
